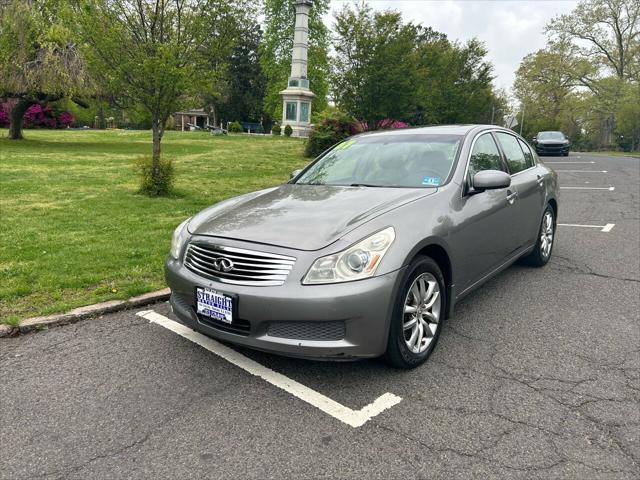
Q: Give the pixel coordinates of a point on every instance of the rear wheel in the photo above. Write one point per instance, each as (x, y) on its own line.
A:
(546, 236)
(417, 315)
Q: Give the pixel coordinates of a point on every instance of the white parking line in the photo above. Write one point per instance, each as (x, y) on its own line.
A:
(558, 163)
(583, 171)
(603, 228)
(611, 189)
(354, 418)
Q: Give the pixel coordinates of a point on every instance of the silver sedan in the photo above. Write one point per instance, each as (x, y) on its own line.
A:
(366, 251)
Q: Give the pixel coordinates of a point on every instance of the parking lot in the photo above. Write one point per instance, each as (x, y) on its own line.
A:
(537, 375)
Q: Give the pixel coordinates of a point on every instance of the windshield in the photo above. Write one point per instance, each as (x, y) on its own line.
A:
(408, 160)
(551, 136)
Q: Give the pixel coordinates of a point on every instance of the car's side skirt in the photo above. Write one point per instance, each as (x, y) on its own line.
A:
(512, 259)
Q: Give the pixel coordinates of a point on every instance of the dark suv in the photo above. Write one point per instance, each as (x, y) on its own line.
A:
(551, 143)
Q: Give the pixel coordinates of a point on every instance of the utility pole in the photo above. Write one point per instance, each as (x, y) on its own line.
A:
(522, 119)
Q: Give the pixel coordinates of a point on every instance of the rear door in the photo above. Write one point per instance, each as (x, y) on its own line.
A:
(529, 186)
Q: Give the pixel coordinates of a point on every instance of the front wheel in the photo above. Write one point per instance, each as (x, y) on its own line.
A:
(417, 315)
(546, 236)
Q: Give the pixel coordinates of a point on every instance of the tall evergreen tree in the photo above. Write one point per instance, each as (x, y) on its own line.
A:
(246, 82)
(275, 52)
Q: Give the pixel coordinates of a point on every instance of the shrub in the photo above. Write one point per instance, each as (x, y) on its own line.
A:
(276, 130)
(288, 131)
(334, 128)
(38, 116)
(235, 127)
(162, 185)
(65, 119)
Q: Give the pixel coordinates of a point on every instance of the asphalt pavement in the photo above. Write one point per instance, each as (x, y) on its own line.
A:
(537, 375)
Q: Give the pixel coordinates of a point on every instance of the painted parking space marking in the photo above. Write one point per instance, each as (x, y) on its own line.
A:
(353, 418)
(558, 163)
(603, 228)
(582, 171)
(611, 189)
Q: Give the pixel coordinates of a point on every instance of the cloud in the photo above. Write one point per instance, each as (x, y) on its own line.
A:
(510, 29)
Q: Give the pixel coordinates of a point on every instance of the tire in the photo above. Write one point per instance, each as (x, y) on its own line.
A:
(423, 272)
(566, 154)
(541, 253)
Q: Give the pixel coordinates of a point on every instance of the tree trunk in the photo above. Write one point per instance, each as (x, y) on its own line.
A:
(16, 118)
(214, 113)
(155, 158)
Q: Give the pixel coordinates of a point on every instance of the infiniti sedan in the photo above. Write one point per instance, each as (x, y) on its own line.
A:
(366, 251)
(551, 143)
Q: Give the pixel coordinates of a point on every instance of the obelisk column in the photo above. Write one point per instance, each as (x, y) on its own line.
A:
(297, 98)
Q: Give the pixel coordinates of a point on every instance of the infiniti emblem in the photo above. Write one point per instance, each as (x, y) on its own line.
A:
(222, 264)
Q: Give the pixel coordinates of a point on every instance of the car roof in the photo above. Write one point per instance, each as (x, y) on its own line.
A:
(434, 130)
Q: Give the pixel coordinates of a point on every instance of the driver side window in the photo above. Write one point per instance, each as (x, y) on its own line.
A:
(485, 156)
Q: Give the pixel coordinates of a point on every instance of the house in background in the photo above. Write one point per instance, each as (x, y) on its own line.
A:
(189, 119)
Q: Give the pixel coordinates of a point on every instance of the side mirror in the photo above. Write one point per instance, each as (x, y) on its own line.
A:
(491, 180)
(294, 174)
(534, 139)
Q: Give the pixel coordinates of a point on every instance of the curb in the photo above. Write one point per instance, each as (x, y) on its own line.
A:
(39, 323)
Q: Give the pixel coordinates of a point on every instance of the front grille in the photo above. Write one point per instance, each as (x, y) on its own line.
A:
(244, 267)
(321, 331)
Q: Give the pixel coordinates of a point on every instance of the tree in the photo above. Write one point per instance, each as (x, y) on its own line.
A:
(606, 32)
(581, 80)
(385, 68)
(276, 47)
(628, 118)
(246, 82)
(145, 52)
(230, 34)
(39, 61)
(454, 82)
(373, 75)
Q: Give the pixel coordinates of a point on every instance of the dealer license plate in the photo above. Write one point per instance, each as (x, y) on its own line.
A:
(214, 304)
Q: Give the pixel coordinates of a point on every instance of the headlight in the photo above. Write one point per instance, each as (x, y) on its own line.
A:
(180, 236)
(357, 262)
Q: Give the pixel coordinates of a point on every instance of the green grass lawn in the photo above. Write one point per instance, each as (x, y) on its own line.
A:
(617, 154)
(74, 230)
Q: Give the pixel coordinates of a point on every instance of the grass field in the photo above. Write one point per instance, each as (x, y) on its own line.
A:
(617, 154)
(74, 231)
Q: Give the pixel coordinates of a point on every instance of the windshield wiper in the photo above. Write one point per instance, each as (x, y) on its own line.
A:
(365, 185)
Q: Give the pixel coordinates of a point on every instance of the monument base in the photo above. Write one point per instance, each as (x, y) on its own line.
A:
(296, 110)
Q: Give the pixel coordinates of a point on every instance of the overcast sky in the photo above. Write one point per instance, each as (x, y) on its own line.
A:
(510, 28)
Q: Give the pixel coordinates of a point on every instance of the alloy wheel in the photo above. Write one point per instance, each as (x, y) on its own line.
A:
(546, 235)
(421, 316)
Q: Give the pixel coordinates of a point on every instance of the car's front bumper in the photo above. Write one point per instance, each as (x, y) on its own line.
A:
(338, 321)
(552, 149)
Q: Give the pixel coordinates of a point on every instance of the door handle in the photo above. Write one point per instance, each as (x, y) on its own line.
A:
(540, 181)
(512, 197)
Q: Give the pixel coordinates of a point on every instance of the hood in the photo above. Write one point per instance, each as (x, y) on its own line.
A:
(302, 217)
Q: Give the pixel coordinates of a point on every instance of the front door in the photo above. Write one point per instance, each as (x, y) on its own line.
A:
(483, 237)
